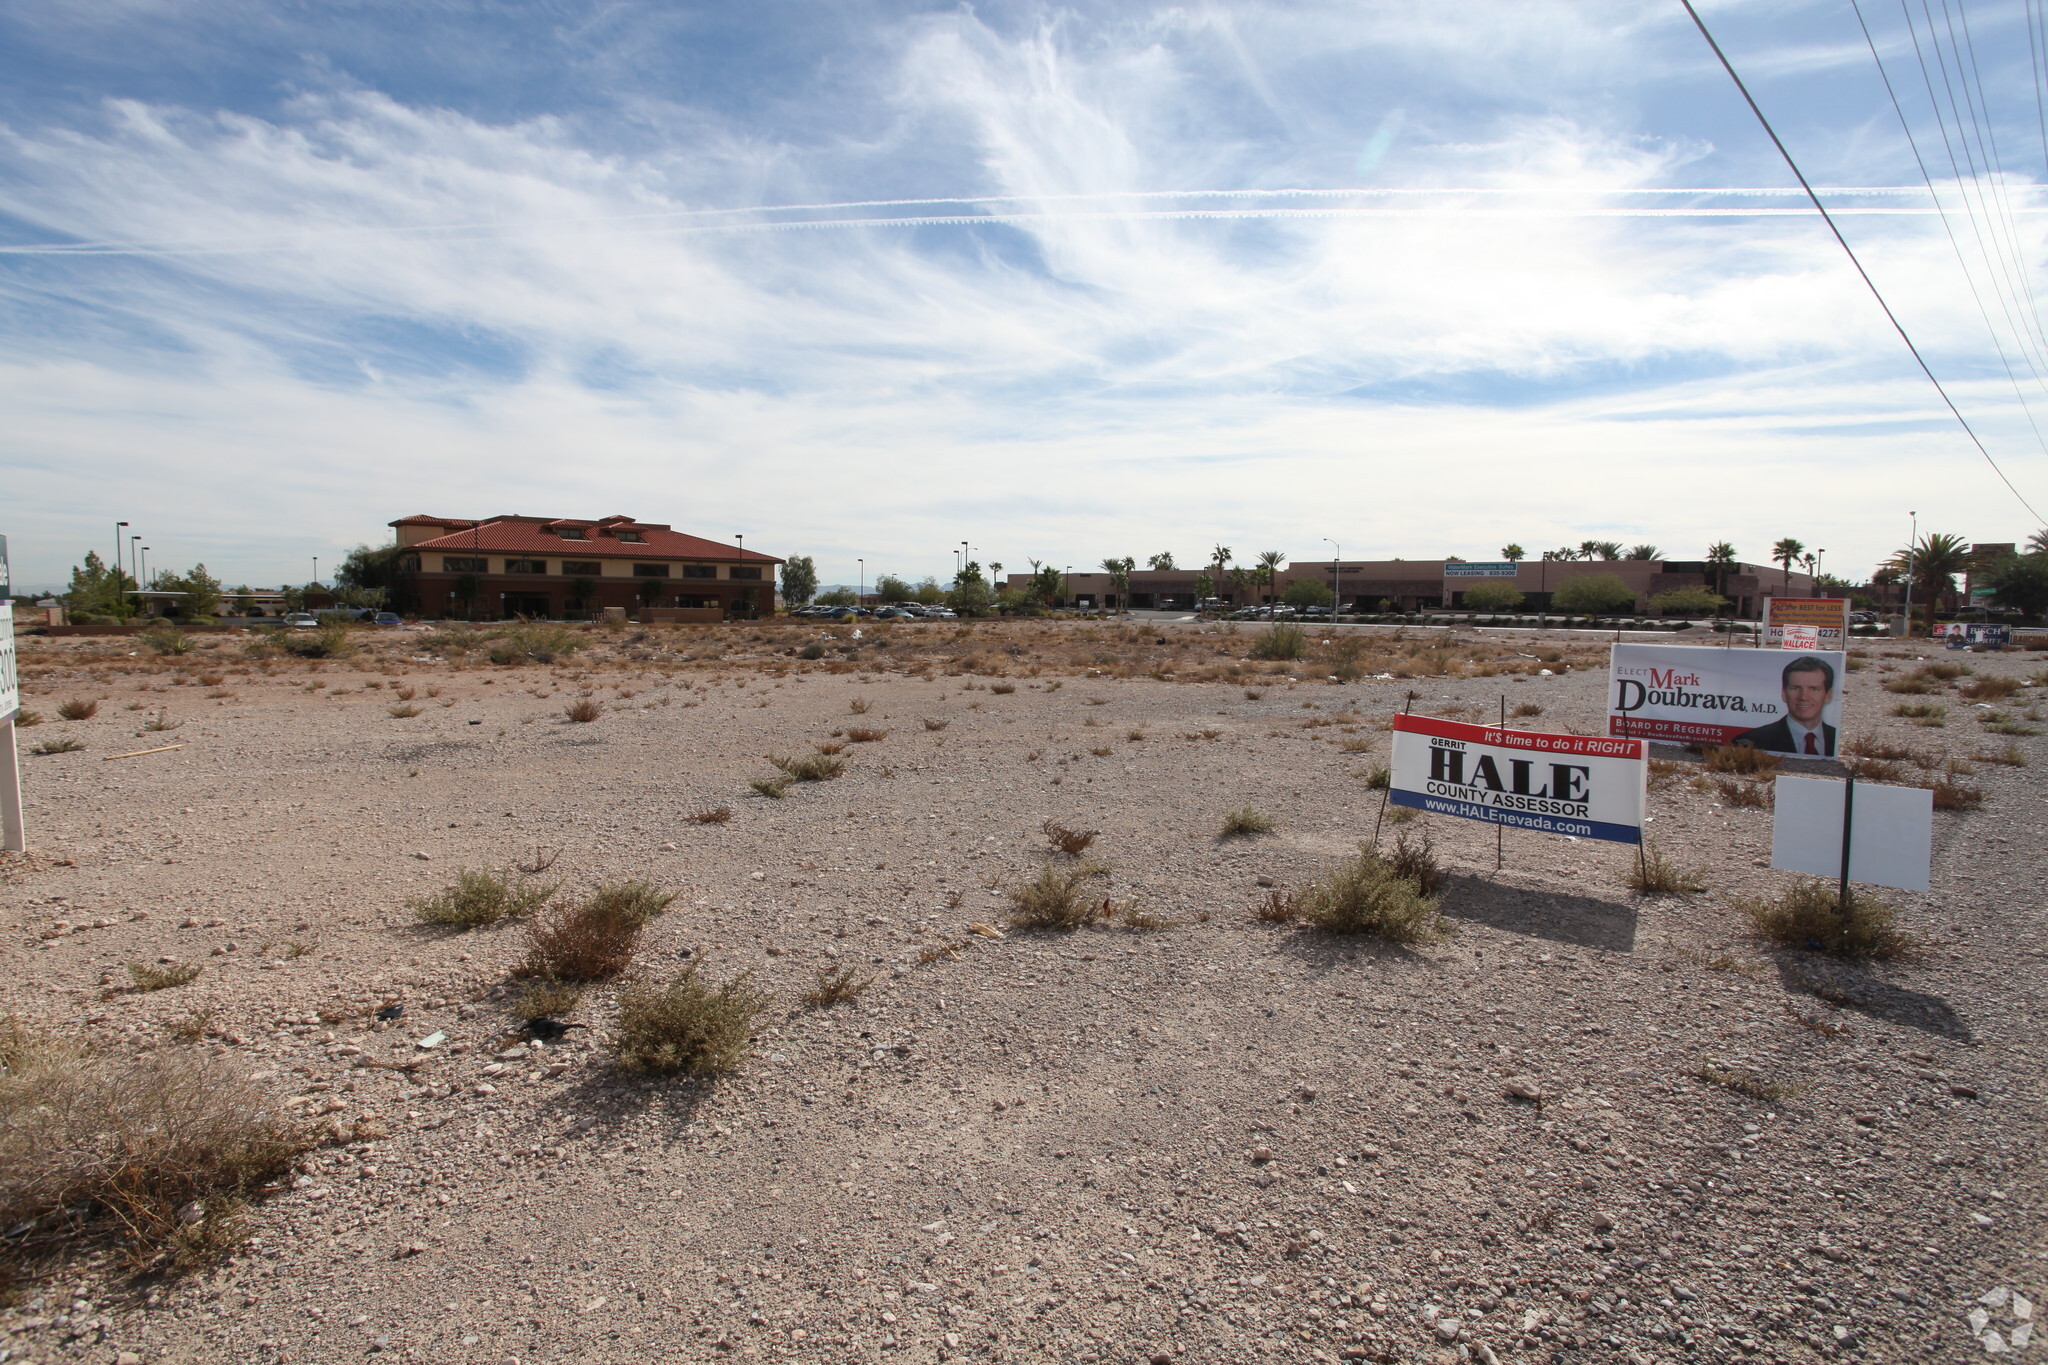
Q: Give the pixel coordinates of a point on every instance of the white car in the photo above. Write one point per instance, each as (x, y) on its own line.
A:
(301, 620)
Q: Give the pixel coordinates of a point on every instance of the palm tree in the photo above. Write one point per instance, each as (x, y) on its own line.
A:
(1934, 564)
(1513, 553)
(1645, 552)
(2037, 543)
(1269, 566)
(1162, 562)
(1721, 557)
(1119, 571)
(1606, 549)
(1785, 552)
(1588, 549)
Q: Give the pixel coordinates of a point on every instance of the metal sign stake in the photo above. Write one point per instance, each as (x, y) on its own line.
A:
(1848, 815)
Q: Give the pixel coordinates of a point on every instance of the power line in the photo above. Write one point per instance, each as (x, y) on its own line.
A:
(1850, 251)
(1948, 227)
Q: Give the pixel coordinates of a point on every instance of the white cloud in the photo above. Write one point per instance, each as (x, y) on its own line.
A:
(370, 308)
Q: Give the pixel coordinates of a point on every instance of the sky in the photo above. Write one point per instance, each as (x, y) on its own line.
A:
(863, 280)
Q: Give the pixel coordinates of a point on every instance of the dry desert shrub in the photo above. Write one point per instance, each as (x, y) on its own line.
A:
(1746, 759)
(830, 746)
(402, 711)
(1925, 713)
(65, 745)
(1989, 689)
(1002, 689)
(862, 735)
(1875, 770)
(78, 708)
(1069, 841)
(1277, 908)
(1244, 822)
(860, 706)
(1654, 874)
(1417, 862)
(931, 724)
(1367, 896)
(328, 642)
(686, 1026)
(1280, 642)
(1527, 708)
(808, 767)
(773, 788)
(1057, 898)
(712, 815)
(160, 976)
(835, 987)
(583, 710)
(164, 1148)
(1810, 916)
(2012, 756)
(1950, 794)
(636, 900)
(1770, 1092)
(581, 943)
(546, 1000)
(165, 638)
(481, 897)
(1379, 778)
(533, 642)
(1735, 793)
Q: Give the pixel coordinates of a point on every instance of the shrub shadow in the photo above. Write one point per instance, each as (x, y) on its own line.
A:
(1582, 921)
(1852, 987)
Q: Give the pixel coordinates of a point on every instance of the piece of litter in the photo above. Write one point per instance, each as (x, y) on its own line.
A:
(434, 1039)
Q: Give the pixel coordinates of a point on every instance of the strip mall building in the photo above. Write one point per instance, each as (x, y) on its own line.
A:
(561, 567)
(1367, 585)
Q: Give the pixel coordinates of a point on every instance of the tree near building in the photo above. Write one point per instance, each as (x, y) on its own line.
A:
(1688, 602)
(890, 588)
(1644, 552)
(799, 580)
(1205, 588)
(1513, 553)
(1045, 585)
(1308, 592)
(970, 595)
(372, 575)
(1493, 597)
(1721, 558)
(1270, 562)
(929, 593)
(199, 592)
(837, 597)
(1593, 594)
(2021, 583)
(1162, 562)
(1120, 571)
(1933, 565)
(98, 592)
(2037, 543)
(1785, 554)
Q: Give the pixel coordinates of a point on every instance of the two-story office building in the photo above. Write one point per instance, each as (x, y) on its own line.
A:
(565, 567)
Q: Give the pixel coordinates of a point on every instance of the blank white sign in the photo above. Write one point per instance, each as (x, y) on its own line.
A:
(1890, 843)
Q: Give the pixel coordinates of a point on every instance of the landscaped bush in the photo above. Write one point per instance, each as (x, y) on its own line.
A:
(1493, 597)
(1593, 593)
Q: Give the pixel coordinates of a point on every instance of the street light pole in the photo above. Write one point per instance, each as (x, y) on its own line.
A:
(120, 569)
(141, 575)
(1336, 572)
(1912, 544)
(135, 564)
(860, 598)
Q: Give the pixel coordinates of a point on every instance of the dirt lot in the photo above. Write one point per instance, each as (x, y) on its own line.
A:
(1220, 1141)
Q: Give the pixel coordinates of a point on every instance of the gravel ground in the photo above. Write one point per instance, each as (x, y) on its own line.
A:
(1223, 1141)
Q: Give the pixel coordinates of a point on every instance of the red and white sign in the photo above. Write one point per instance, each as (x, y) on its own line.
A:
(1589, 786)
(1827, 615)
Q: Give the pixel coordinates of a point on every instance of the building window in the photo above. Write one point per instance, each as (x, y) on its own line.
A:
(571, 533)
(631, 537)
(688, 600)
(582, 568)
(700, 571)
(650, 571)
(752, 571)
(526, 566)
(461, 564)
(408, 563)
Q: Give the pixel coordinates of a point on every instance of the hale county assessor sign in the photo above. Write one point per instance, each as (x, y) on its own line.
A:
(1588, 786)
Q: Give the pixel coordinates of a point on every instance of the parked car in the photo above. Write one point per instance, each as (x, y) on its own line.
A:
(941, 614)
(1862, 618)
(302, 620)
(387, 618)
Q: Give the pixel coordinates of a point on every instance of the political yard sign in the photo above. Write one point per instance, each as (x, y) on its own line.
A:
(1785, 701)
(1829, 616)
(1589, 786)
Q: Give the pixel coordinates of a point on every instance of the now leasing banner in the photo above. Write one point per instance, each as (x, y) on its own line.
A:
(1786, 701)
(1584, 785)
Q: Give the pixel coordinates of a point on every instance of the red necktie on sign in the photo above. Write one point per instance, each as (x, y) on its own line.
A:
(1809, 743)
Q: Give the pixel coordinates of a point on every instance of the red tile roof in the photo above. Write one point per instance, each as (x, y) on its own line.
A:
(537, 536)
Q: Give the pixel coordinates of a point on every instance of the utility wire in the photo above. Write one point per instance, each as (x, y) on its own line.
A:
(1987, 133)
(1949, 228)
(1850, 251)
